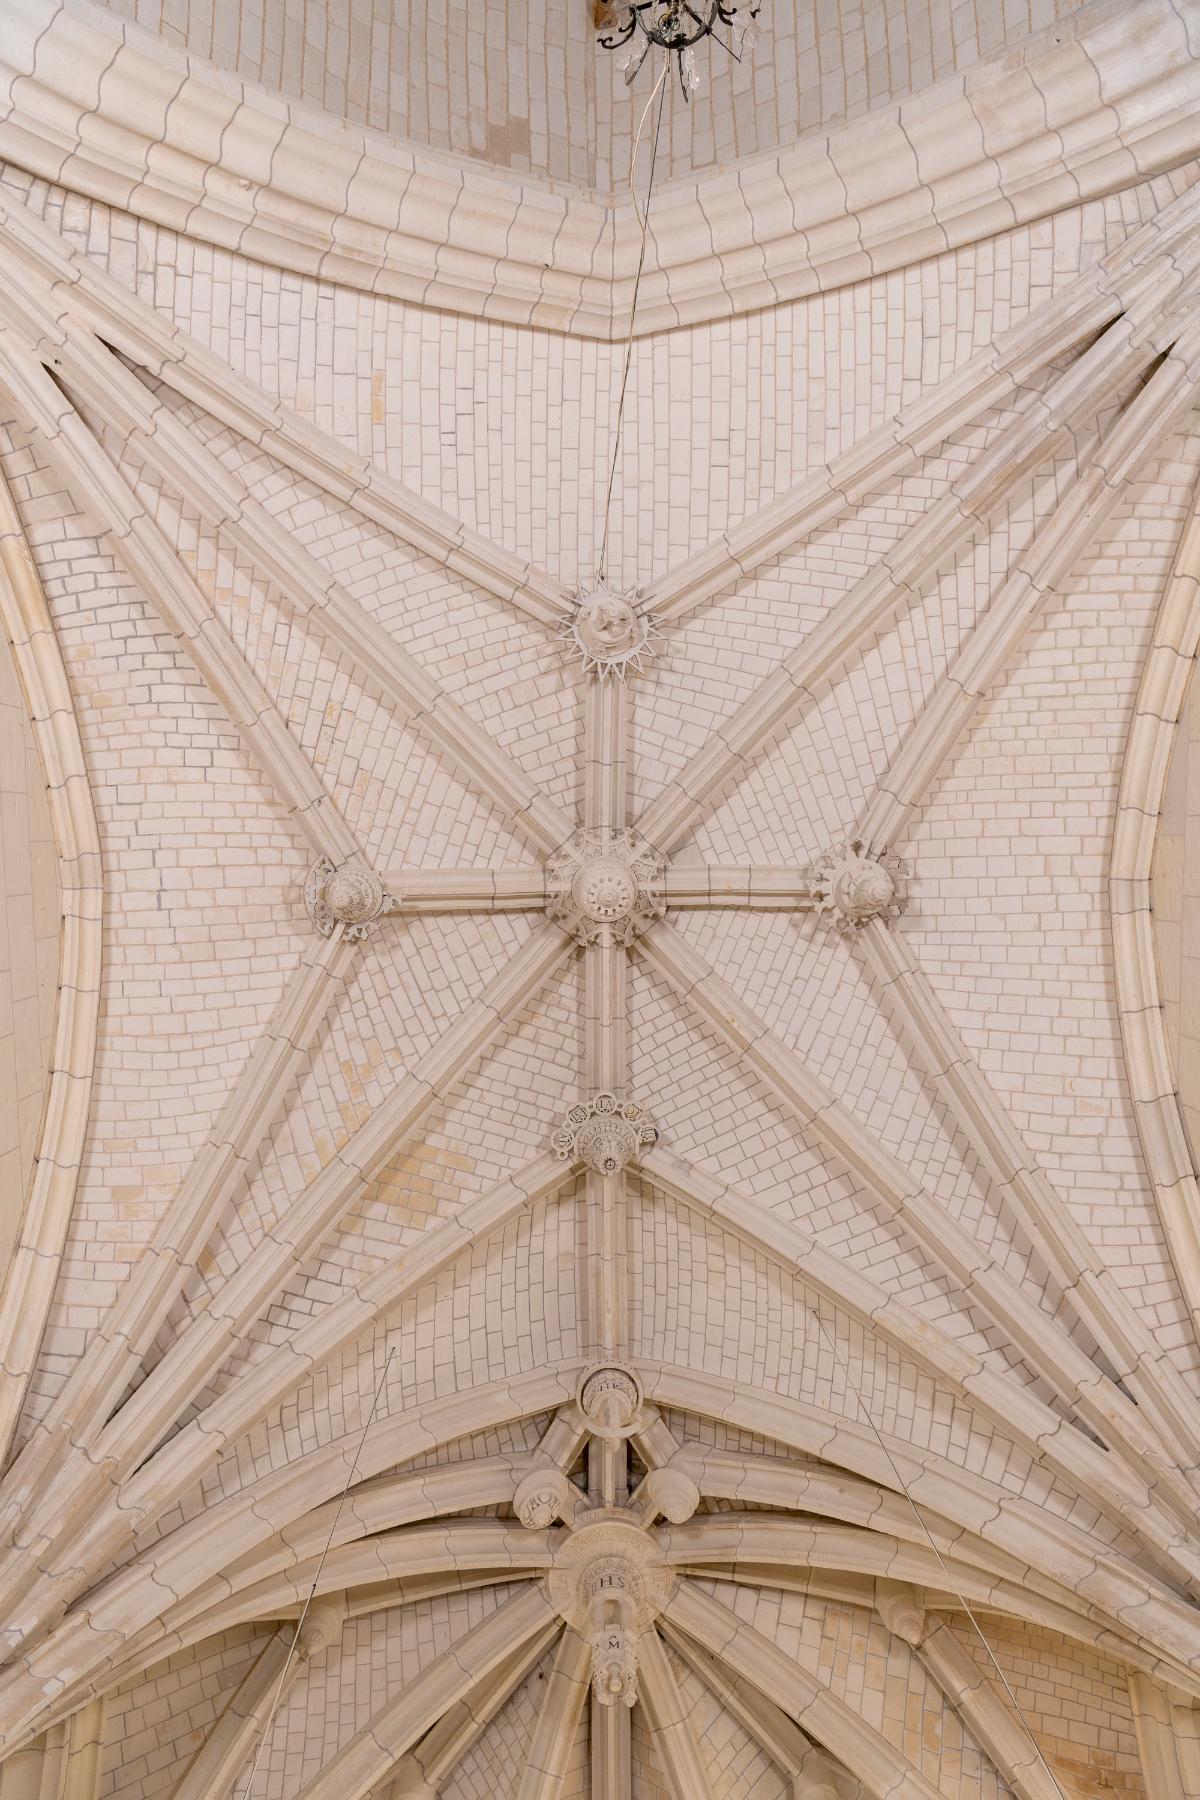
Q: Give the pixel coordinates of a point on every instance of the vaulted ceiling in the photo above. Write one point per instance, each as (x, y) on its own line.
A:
(612, 1216)
(518, 83)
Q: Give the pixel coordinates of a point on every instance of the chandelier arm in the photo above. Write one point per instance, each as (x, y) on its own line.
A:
(664, 23)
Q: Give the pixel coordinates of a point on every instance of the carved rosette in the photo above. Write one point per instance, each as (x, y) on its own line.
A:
(352, 897)
(605, 1134)
(854, 887)
(605, 886)
(608, 633)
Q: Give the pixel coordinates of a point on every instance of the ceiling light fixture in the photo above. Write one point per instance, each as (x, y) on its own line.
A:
(677, 26)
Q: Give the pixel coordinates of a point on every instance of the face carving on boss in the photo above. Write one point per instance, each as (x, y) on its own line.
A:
(607, 625)
(608, 632)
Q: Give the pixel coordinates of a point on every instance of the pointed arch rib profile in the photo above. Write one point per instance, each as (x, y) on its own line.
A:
(104, 1495)
(1127, 1483)
(115, 1351)
(1084, 308)
(1133, 1603)
(679, 1753)
(88, 368)
(563, 1699)
(1154, 412)
(443, 1747)
(197, 374)
(401, 1722)
(1127, 346)
(171, 592)
(28, 1288)
(822, 1714)
(73, 1658)
(1149, 1068)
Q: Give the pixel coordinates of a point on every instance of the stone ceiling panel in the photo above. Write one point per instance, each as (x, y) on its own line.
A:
(528, 88)
(886, 1228)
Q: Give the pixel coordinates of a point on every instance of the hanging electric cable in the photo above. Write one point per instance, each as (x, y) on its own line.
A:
(951, 1582)
(660, 89)
(304, 1611)
(608, 632)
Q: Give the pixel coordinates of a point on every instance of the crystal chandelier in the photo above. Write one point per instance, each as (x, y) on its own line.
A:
(677, 26)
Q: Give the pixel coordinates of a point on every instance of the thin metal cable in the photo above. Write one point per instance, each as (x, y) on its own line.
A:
(920, 1518)
(612, 473)
(270, 1720)
(637, 144)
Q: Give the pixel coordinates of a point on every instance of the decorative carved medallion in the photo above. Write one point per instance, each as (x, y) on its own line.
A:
(605, 1134)
(605, 885)
(608, 633)
(351, 896)
(610, 1581)
(854, 887)
(610, 1399)
(540, 1498)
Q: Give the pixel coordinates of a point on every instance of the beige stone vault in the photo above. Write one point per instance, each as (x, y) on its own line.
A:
(611, 1215)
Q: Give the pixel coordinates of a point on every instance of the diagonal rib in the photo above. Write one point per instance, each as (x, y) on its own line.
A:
(171, 593)
(193, 371)
(116, 395)
(1124, 1483)
(89, 1493)
(1044, 427)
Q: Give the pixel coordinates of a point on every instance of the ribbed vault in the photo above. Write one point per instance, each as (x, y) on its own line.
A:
(612, 1223)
